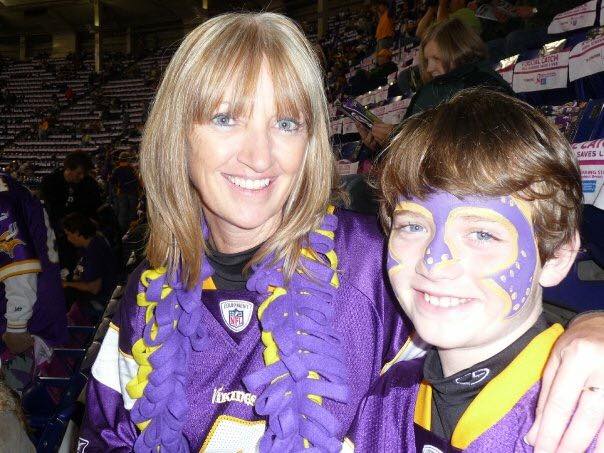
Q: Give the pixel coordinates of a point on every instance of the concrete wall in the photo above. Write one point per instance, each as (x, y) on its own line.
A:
(63, 43)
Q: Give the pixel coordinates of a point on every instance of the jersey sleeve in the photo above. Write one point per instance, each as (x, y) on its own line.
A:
(21, 294)
(107, 425)
(17, 254)
(363, 250)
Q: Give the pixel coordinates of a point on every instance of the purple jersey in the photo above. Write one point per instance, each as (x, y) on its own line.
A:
(125, 180)
(221, 411)
(97, 261)
(396, 414)
(27, 245)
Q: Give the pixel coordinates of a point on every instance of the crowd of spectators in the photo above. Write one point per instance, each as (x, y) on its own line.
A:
(384, 25)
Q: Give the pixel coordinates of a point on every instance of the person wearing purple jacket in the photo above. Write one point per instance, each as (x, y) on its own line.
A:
(261, 315)
(32, 305)
(472, 242)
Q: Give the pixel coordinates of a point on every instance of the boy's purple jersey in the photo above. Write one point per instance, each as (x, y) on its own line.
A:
(221, 414)
(395, 416)
(27, 245)
(97, 261)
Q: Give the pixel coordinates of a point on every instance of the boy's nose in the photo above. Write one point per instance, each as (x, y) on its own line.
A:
(438, 261)
(437, 251)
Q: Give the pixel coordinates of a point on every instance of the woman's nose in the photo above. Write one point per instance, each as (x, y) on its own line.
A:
(257, 150)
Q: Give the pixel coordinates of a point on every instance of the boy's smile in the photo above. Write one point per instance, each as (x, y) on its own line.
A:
(463, 268)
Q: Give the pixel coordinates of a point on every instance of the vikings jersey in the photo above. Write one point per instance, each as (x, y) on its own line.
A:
(396, 414)
(221, 413)
(27, 246)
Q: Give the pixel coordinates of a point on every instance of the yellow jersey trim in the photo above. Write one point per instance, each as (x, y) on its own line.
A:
(20, 268)
(499, 396)
(208, 284)
(394, 360)
(423, 406)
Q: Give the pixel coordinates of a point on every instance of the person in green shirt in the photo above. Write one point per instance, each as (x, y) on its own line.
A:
(448, 9)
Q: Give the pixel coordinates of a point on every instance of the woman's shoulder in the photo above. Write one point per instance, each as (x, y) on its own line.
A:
(358, 232)
(359, 244)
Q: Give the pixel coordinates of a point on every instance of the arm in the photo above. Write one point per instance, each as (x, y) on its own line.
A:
(93, 287)
(569, 414)
(425, 22)
(443, 10)
(377, 137)
(21, 296)
(107, 425)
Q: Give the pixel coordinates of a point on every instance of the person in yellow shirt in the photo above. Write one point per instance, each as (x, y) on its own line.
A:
(384, 34)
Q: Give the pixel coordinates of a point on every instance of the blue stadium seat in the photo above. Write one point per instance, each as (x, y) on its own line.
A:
(576, 294)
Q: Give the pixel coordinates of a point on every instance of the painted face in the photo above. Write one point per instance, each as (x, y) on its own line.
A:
(244, 168)
(463, 269)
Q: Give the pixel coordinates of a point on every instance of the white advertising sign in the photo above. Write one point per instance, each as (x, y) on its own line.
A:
(586, 58)
(580, 17)
(543, 73)
(591, 162)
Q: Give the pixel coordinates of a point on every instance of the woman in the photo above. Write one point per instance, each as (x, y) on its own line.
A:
(451, 57)
(294, 321)
(245, 160)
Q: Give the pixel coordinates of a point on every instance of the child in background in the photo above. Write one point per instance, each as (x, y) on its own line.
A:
(481, 199)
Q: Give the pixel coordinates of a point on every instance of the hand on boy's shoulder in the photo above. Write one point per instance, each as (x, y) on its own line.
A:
(571, 404)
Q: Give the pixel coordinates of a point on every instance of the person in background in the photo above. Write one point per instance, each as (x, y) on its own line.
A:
(126, 188)
(452, 58)
(439, 10)
(94, 277)
(363, 81)
(71, 189)
(32, 305)
(384, 34)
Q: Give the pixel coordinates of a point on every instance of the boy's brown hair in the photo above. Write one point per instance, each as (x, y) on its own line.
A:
(486, 143)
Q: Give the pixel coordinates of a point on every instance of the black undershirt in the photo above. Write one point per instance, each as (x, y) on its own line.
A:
(228, 268)
(451, 396)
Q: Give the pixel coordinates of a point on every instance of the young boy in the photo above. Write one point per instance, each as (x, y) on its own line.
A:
(481, 197)
(94, 277)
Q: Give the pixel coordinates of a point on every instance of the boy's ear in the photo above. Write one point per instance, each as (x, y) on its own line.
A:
(556, 268)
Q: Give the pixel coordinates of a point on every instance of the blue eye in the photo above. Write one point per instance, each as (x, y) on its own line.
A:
(223, 120)
(288, 125)
(483, 236)
(413, 228)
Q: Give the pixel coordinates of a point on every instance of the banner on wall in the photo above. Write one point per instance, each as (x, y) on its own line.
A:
(548, 72)
(586, 58)
(591, 162)
(580, 17)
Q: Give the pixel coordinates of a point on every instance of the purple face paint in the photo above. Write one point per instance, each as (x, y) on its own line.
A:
(512, 278)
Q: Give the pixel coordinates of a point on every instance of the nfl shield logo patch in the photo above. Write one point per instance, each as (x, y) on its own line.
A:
(236, 314)
(235, 318)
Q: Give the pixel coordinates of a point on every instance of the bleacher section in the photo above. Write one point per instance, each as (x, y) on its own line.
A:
(99, 115)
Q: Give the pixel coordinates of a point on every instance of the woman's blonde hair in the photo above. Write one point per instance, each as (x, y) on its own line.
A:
(222, 58)
(457, 43)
